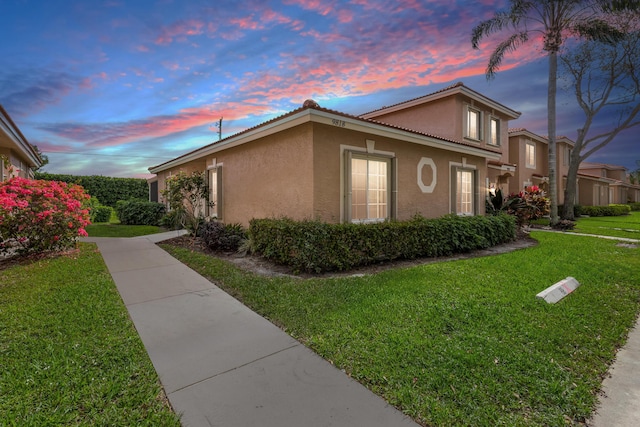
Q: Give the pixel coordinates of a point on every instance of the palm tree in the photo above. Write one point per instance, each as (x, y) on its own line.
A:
(554, 20)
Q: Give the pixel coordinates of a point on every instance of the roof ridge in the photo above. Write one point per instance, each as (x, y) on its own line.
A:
(452, 86)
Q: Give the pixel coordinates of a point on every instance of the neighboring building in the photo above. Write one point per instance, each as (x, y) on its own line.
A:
(530, 155)
(22, 157)
(426, 156)
(601, 184)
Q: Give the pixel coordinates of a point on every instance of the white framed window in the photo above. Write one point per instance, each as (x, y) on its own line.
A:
(494, 131)
(215, 192)
(464, 185)
(530, 155)
(473, 124)
(368, 187)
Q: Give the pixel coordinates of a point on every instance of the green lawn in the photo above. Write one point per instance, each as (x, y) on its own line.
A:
(119, 230)
(618, 226)
(69, 354)
(464, 342)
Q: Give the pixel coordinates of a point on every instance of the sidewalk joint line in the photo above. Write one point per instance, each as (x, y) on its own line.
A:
(297, 344)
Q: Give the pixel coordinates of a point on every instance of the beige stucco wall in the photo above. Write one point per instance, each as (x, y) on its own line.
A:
(592, 192)
(269, 177)
(445, 118)
(299, 173)
(329, 192)
(441, 117)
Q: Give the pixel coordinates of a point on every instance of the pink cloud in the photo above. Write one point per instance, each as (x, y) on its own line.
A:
(247, 23)
(320, 6)
(121, 133)
(345, 16)
(179, 31)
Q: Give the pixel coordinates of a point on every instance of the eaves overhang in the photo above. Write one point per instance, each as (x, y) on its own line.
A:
(458, 88)
(329, 118)
(11, 133)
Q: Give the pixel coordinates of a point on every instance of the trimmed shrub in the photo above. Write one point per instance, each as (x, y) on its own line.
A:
(38, 216)
(611, 210)
(139, 212)
(576, 210)
(97, 212)
(314, 246)
(107, 189)
(101, 214)
(219, 236)
(635, 206)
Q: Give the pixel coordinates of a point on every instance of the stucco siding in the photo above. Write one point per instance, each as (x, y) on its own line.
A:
(269, 177)
(441, 117)
(329, 196)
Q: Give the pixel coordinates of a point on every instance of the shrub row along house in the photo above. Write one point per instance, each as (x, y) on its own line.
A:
(17, 156)
(433, 155)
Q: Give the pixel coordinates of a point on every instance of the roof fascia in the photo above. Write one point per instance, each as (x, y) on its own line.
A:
(512, 114)
(331, 119)
(11, 130)
(530, 135)
(403, 135)
(253, 134)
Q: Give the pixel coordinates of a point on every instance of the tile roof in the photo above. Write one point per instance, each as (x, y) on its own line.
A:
(312, 105)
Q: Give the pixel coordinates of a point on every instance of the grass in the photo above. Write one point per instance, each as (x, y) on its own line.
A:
(617, 226)
(113, 228)
(119, 230)
(68, 350)
(464, 342)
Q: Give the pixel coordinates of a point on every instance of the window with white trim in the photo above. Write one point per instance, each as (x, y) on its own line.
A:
(464, 186)
(215, 192)
(474, 124)
(368, 187)
(494, 131)
(530, 155)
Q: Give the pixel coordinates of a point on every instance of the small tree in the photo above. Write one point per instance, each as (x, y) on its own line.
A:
(605, 78)
(188, 197)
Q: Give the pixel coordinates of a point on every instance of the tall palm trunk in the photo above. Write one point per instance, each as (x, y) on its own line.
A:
(551, 122)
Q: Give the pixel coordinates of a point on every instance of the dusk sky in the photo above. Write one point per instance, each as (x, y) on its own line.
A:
(112, 87)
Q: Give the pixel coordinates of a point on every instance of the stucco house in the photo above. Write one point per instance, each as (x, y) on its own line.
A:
(21, 155)
(529, 153)
(601, 184)
(431, 155)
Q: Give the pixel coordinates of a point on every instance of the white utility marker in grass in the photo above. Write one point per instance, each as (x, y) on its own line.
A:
(556, 292)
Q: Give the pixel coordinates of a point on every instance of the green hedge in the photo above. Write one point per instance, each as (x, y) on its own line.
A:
(635, 206)
(98, 212)
(101, 214)
(107, 189)
(611, 210)
(314, 246)
(138, 212)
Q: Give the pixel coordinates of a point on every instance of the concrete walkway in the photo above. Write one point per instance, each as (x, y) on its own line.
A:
(219, 362)
(223, 365)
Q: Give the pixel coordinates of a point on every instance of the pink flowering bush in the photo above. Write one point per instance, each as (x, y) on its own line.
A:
(38, 216)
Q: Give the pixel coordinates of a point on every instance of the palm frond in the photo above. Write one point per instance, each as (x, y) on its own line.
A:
(507, 46)
(500, 21)
(599, 30)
